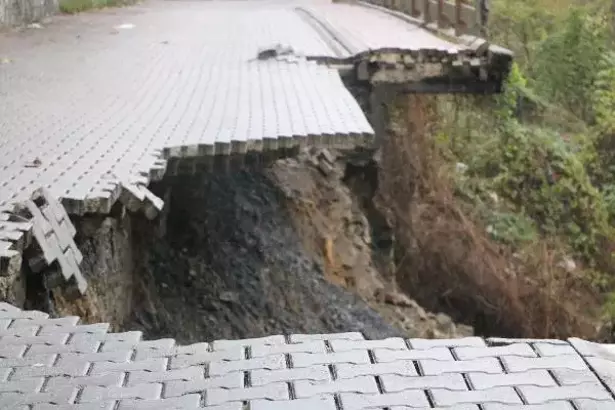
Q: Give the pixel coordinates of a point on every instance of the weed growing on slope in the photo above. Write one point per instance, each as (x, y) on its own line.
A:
(511, 198)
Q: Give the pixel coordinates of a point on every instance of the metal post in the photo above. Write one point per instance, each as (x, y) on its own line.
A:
(413, 10)
(458, 22)
(427, 14)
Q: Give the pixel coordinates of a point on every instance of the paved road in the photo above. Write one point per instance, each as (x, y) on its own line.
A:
(87, 106)
(92, 106)
(56, 364)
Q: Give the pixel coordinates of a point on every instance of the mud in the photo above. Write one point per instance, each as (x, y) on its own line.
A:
(232, 266)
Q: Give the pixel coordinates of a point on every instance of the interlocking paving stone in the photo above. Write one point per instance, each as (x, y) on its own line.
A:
(436, 353)
(73, 372)
(402, 367)
(261, 377)
(517, 349)
(179, 92)
(102, 130)
(343, 21)
(320, 403)
(330, 337)
(550, 349)
(485, 365)
(605, 369)
(506, 395)
(568, 377)
(317, 346)
(391, 343)
(53, 232)
(189, 85)
(146, 376)
(556, 405)
(481, 381)
(523, 364)
(352, 357)
(359, 384)
(353, 401)
(274, 391)
(268, 362)
(185, 360)
(235, 345)
(588, 404)
(178, 388)
(539, 394)
(396, 383)
(423, 344)
(189, 401)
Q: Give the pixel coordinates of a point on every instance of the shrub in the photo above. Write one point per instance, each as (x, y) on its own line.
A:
(568, 63)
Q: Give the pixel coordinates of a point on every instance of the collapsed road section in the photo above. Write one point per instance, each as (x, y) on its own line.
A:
(96, 109)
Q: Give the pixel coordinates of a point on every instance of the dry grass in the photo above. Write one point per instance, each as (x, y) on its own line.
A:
(447, 259)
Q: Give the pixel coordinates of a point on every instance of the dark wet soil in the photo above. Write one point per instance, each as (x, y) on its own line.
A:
(232, 266)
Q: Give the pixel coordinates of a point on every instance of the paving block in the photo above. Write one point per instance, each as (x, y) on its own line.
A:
(588, 404)
(505, 395)
(330, 336)
(262, 377)
(568, 377)
(317, 346)
(110, 405)
(484, 365)
(555, 405)
(274, 391)
(482, 381)
(144, 391)
(523, 364)
(233, 344)
(177, 388)
(187, 360)
(514, 349)
(150, 365)
(603, 368)
(414, 398)
(461, 342)
(436, 353)
(188, 374)
(308, 359)
(189, 401)
(394, 383)
(320, 403)
(360, 384)
(550, 349)
(401, 368)
(538, 394)
(273, 362)
(341, 345)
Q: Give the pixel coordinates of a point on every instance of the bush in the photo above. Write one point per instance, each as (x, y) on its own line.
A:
(568, 63)
(603, 94)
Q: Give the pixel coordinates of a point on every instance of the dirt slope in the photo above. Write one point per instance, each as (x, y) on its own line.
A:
(242, 258)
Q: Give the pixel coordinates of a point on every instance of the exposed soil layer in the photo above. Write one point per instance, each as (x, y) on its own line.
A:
(232, 266)
(330, 197)
(285, 249)
(294, 247)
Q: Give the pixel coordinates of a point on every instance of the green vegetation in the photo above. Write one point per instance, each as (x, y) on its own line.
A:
(539, 161)
(77, 6)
